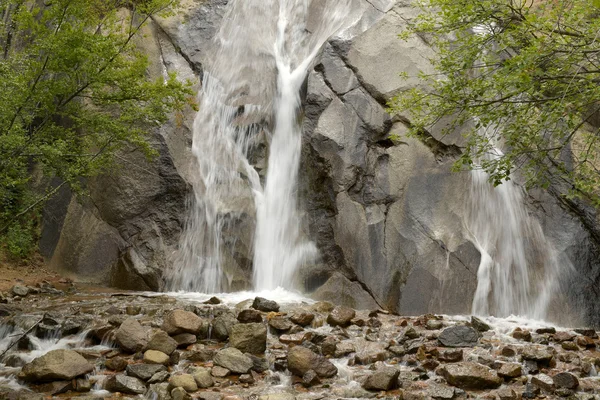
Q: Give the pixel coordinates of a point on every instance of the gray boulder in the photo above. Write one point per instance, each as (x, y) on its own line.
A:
(131, 336)
(144, 371)
(249, 338)
(233, 360)
(470, 376)
(125, 384)
(300, 360)
(341, 316)
(222, 325)
(263, 304)
(180, 321)
(459, 336)
(382, 379)
(56, 365)
(161, 341)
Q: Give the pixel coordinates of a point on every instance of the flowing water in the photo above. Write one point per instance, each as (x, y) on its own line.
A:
(519, 267)
(251, 89)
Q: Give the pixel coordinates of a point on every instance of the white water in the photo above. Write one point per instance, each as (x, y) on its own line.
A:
(519, 268)
(251, 88)
(279, 246)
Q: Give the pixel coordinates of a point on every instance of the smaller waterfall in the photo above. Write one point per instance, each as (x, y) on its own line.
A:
(519, 267)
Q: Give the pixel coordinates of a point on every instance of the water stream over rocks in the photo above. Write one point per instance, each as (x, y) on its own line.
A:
(143, 345)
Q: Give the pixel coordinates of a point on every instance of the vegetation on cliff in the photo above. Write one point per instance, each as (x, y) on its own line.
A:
(73, 91)
(520, 75)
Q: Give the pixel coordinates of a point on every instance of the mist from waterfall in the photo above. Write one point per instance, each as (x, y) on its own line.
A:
(251, 87)
(519, 268)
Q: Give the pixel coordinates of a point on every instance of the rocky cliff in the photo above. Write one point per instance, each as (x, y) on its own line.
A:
(384, 209)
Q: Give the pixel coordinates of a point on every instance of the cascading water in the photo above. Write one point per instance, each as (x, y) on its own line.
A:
(519, 267)
(262, 55)
(279, 247)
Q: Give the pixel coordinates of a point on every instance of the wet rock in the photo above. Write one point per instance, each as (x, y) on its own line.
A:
(234, 360)
(479, 325)
(367, 357)
(249, 315)
(82, 385)
(510, 370)
(531, 391)
(523, 335)
(570, 346)
(546, 330)
(219, 372)
(144, 371)
(565, 380)
(246, 378)
(531, 367)
(180, 321)
(450, 355)
(20, 290)
(280, 324)
(213, 300)
(589, 332)
(434, 324)
(158, 377)
(210, 396)
(344, 348)
(56, 388)
(341, 316)
(185, 381)
(468, 375)
(156, 357)
(310, 378)
(203, 377)
(543, 381)
(382, 379)
(131, 336)
(296, 338)
(563, 336)
(221, 326)
(125, 384)
(117, 364)
(440, 392)
(179, 393)
(185, 339)
(585, 342)
(508, 351)
(537, 353)
(300, 360)
(199, 355)
(302, 318)
(56, 365)
(459, 336)
(259, 364)
(265, 305)
(161, 341)
(328, 346)
(249, 338)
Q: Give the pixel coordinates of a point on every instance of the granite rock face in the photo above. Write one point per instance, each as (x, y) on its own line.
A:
(384, 210)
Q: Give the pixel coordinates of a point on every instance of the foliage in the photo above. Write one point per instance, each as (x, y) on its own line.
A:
(520, 75)
(74, 89)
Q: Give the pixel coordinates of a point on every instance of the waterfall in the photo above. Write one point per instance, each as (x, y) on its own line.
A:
(279, 246)
(519, 267)
(260, 58)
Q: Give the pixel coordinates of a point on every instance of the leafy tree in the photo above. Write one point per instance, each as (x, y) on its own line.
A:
(519, 75)
(73, 91)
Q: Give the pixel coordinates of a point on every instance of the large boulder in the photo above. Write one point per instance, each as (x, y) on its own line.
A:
(132, 336)
(233, 360)
(382, 379)
(161, 341)
(249, 338)
(180, 321)
(300, 360)
(56, 365)
(469, 375)
(459, 336)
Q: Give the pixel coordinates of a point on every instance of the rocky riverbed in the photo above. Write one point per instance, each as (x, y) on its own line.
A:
(88, 345)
